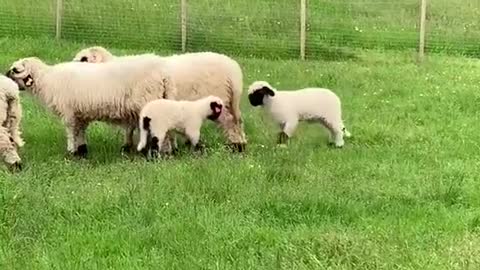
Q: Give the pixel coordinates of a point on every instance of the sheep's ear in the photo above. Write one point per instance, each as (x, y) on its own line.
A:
(268, 91)
(28, 81)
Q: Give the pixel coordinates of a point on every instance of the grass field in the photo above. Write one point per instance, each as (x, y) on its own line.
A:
(403, 193)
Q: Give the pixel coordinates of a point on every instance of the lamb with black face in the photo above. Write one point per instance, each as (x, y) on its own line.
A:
(256, 97)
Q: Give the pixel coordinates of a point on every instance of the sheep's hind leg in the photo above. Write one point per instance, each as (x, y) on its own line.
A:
(80, 140)
(127, 146)
(233, 130)
(8, 150)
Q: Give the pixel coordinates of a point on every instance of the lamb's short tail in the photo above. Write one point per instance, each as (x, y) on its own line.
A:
(145, 134)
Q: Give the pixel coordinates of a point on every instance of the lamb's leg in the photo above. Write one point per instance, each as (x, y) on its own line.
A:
(127, 146)
(193, 135)
(158, 140)
(288, 128)
(336, 133)
(8, 150)
(233, 130)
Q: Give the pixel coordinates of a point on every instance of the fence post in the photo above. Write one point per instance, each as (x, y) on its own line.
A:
(303, 22)
(58, 19)
(421, 43)
(184, 24)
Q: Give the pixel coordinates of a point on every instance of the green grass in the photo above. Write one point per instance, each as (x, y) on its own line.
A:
(268, 28)
(403, 193)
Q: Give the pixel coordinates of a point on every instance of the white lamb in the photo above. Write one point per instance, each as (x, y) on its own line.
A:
(162, 116)
(81, 93)
(197, 75)
(287, 108)
(10, 117)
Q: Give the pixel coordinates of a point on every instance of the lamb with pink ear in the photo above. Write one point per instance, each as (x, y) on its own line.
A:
(161, 117)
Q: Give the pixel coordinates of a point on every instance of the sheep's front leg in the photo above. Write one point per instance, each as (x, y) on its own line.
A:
(127, 146)
(76, 141)
(233, 130)
(8, 150)
(288, 128)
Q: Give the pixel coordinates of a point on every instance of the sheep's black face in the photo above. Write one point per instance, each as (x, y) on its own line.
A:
(84, 59)
(21, 81)
(216, 111)
(256, 98)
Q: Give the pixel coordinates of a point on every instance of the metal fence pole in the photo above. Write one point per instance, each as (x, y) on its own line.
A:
(184, 24)
(303, 22)
(58, 19)
(421, 43)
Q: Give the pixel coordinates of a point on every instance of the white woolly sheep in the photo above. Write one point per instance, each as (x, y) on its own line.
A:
(81, 93)
(162, 116)
(287, 108)
(10, 118)
(198, 75)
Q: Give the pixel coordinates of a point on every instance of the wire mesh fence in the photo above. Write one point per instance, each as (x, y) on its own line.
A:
(268, 28)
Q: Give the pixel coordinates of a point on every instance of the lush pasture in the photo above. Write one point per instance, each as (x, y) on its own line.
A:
(403, 193)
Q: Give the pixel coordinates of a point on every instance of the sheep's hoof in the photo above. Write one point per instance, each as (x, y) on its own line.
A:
(282, 138)
(239, 147)
(127, 148)
(81, 151)
(16, 167)
(282, 145)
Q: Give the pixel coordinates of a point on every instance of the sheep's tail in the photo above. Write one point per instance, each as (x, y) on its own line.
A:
(145, 135)
(14, 115)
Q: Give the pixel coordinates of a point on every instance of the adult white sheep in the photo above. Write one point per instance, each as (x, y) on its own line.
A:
(197, 75)
(10, 118)
(287, 108)
(162, 116)
(81, 93)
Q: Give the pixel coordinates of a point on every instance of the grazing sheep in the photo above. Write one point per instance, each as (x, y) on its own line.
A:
(309, 104)
(10, 117)
(162, 116)
(81, 93)
(198, 75)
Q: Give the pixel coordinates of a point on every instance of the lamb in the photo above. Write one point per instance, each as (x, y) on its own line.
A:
(81, 93)
(10, 117)
(198, 75)
(159, 117)
(287, 108)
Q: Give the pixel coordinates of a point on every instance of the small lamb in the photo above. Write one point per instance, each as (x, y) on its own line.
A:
(163, 116)
(309, 104)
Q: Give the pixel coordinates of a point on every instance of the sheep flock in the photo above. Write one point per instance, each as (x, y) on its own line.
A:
(162, 97)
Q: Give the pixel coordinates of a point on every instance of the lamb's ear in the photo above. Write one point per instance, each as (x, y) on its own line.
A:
(216, 108)
(268, 91)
